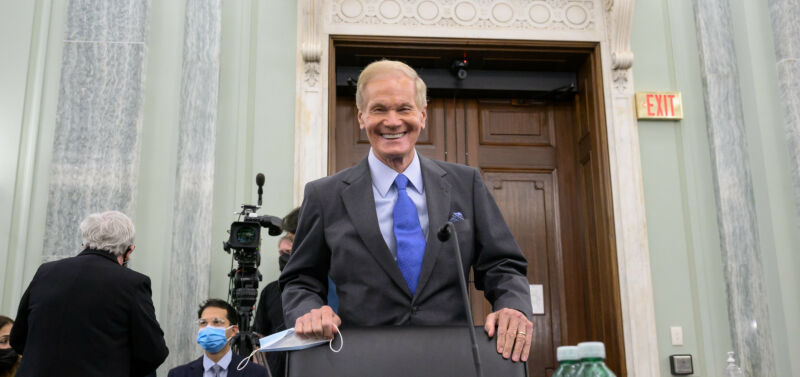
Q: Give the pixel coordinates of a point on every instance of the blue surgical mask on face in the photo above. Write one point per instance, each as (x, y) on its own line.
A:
(212, 339)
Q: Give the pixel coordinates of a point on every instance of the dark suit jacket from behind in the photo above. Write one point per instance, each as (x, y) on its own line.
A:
(338, 234)
(87, 316)
(195, 369)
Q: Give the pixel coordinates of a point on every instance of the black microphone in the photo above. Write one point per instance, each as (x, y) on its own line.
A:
(444, 235)
(260, 184)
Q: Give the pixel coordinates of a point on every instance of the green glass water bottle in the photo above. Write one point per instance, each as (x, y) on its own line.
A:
(592, 356)
(568, 361)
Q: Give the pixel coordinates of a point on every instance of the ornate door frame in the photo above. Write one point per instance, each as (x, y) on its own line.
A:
(607, 22)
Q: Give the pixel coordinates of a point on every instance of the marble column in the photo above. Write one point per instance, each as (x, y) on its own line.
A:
(191, 229)
(733, 186)
(95, 160)
(785, 16)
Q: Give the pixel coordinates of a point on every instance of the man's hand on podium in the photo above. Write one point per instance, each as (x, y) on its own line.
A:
(514, 332)
(318, 323)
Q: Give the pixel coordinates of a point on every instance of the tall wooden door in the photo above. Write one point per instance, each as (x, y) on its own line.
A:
(526, 153)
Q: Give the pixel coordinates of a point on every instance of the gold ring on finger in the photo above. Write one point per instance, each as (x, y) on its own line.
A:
(523, 333)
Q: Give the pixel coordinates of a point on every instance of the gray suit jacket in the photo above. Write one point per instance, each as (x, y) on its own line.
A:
(338, 234)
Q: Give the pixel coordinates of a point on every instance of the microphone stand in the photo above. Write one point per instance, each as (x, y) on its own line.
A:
(444, 234)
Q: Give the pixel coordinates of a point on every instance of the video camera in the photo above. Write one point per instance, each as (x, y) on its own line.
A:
(245, 243)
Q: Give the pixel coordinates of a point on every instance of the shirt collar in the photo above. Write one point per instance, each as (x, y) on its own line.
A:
(383, 176)
(223, 362)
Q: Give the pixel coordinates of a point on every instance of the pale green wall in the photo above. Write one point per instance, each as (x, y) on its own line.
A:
(32, 32)
(256, 123)
(679, 197)
(681, 223)
(255, 134)
(15, 41)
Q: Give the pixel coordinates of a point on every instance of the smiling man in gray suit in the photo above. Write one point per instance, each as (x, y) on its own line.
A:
(372, 229)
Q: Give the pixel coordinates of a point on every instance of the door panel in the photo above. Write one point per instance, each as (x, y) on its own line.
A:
(601, 285)
(504, 123)
(527, 201)
(524, 166)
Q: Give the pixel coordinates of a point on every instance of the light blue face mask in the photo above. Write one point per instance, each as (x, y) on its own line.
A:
(287, 340)
(212, 339)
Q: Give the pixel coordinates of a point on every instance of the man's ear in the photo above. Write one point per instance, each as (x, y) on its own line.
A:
(361, 123)
(424, 116)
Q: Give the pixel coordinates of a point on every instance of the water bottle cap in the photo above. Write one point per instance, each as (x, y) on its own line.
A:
(594, 350)
(567, 353)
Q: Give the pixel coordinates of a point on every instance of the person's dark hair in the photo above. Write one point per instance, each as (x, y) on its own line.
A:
(289, 223)
(222, 304)
(5, 320)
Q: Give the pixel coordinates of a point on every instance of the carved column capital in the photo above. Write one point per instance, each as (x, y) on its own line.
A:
(310, 47)
(619, 21)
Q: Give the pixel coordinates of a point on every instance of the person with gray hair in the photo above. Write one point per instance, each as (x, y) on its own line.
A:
(89, 315)
(111, 231)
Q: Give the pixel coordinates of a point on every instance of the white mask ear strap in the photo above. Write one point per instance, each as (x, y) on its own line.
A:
(246, 360)
(341, 340)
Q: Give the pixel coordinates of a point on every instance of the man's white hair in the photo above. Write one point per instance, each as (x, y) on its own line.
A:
(111, 231)
(382, 67)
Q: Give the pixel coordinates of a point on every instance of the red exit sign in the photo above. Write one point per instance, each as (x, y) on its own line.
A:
(659, 105)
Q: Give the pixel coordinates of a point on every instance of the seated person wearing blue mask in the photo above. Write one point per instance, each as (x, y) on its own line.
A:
(217, 323)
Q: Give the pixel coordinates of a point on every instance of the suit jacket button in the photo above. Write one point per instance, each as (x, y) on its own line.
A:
(414, 309)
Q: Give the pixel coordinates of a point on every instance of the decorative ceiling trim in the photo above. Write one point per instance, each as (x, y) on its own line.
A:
(573, 15)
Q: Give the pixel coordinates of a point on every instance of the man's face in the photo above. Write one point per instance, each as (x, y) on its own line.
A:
(285, 245)
(391, 118)
(218, 317)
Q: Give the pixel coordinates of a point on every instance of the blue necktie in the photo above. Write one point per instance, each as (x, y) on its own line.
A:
(408, 233)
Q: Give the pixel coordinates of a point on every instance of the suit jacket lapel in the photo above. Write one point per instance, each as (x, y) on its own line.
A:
(196, 367)
(358, 200)
(437, 194)
(235, 360)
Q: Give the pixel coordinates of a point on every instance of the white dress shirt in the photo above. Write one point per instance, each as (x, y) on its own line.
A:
(224, 362)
